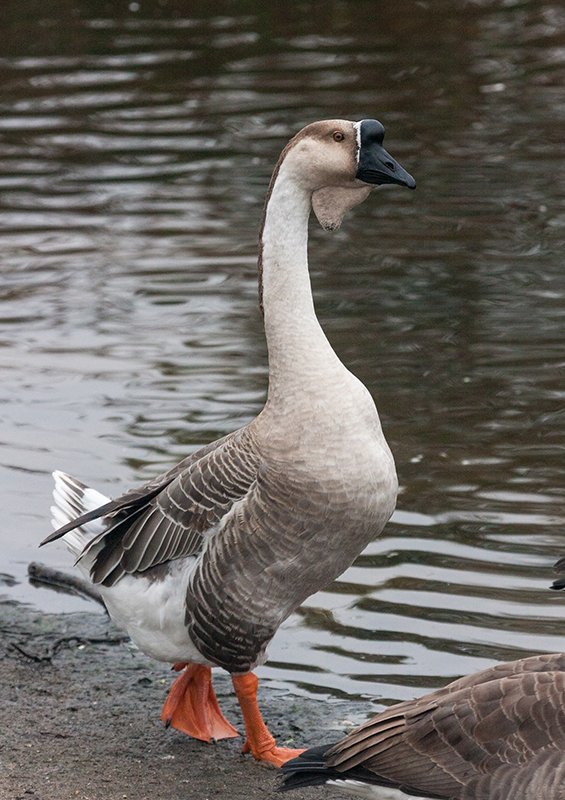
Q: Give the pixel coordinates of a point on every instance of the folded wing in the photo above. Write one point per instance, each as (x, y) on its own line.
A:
(169, 517)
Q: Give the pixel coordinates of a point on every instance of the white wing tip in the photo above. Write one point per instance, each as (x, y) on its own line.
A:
(72, 499)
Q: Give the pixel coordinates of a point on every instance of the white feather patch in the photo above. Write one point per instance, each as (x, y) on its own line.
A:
(357, 128)
(367, 790)
(72, 499)
(150, 610)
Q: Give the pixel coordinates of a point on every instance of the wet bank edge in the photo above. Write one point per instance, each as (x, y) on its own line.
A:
(80, 718)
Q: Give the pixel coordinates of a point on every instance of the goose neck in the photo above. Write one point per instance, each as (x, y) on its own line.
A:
(296, 343)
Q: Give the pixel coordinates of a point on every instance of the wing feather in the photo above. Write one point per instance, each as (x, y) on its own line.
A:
(169, 517)
(496, 728)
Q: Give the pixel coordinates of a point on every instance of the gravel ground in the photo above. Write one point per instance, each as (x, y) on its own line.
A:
(80, 718)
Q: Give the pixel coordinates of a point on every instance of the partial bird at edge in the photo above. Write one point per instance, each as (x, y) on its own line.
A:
(498, 733)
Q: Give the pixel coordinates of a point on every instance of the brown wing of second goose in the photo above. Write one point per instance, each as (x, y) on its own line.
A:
(494, 735)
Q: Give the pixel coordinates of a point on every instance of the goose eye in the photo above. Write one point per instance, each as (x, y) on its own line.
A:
(338, 136)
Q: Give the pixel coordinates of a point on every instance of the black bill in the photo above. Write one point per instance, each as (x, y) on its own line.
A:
(375, 165)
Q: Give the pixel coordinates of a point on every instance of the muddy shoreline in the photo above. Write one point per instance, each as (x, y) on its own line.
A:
(80, 714)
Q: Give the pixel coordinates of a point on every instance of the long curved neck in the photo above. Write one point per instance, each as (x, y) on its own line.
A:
(298, 348)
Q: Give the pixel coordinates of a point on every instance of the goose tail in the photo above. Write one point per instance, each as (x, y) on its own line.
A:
(72, 499)
(310, 769)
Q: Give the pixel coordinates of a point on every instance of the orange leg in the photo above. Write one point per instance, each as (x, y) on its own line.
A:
(259, 741)
(192, 706)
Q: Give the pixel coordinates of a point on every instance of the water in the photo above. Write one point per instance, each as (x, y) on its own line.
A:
(136, 143)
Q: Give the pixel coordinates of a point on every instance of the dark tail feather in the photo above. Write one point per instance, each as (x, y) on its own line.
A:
(307, 770)
(310, 769)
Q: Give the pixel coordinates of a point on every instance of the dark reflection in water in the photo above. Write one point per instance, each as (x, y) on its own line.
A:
(136, 143)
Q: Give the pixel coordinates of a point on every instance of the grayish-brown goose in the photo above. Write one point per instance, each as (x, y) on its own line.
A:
(202, 564)
(496, 735)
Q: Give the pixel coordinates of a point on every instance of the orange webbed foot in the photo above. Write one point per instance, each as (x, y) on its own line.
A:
(259, 742)
(192, 706)
(272, 755)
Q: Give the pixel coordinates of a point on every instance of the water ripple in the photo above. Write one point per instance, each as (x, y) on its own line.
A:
(135, 152)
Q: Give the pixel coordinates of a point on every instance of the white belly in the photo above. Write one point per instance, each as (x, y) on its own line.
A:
(152, 613)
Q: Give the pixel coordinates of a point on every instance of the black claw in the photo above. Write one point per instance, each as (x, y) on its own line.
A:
(168, 722)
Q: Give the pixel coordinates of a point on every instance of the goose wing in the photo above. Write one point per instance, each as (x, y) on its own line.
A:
(467, 739)
(168, 517)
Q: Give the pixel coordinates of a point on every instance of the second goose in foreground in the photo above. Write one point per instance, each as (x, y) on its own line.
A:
(496, 735)
(202, 564)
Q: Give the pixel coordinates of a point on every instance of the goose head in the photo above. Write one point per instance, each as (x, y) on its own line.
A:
(341, 162)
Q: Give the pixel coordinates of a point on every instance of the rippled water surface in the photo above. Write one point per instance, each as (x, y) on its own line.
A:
(136, 144)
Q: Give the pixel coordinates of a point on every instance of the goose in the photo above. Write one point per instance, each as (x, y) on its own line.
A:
(498, 734)
(201, 565)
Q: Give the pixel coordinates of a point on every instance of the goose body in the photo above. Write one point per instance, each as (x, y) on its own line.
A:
(202, 564)
(498, 734)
